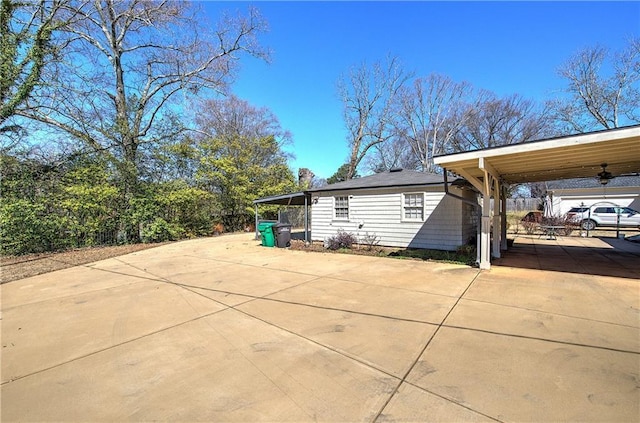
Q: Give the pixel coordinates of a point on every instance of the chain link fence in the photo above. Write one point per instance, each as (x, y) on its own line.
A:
(293, 215)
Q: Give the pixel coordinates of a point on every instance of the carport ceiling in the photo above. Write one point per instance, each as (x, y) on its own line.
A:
(576, 156)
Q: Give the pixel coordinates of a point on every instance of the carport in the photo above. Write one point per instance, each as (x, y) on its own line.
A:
(491, 170)
(301, 198)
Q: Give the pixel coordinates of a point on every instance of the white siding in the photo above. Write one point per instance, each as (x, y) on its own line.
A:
(380, 213)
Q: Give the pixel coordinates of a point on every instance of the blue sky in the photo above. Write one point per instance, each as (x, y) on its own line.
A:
(504, 47)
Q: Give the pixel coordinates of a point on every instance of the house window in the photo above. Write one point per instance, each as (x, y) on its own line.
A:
(341, 206)
(413, 206)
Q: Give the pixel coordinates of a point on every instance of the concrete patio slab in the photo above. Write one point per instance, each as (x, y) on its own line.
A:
(222, 329)
(65, 283)
(369, 299)
(224, 298)
(283, 260)
(412, 404)
(244, 280)
(397, 342)
(41, 335)
(444, 279)
(603, 256)
(516, 379)
(540, 325)
(598, 298)
(224, 367)
(158, 267)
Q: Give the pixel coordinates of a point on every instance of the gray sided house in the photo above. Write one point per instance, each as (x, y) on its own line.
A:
(402, 208)
(622, 191)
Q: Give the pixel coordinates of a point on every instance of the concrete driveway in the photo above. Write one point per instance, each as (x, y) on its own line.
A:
(221, 329)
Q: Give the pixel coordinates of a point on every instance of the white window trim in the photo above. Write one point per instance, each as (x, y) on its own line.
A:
(341, 219)
(402, 207)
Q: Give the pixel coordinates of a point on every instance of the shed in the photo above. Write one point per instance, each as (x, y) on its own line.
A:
(293, 199)
(401, 208)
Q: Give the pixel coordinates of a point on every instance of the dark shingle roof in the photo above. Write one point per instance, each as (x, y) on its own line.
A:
(400, 178)
(617, 182)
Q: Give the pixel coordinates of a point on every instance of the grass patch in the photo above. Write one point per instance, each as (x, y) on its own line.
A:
(456, 257)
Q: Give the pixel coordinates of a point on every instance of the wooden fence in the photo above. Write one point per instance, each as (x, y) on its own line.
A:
(522, 204)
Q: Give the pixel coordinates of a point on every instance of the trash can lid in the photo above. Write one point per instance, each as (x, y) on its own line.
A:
(265, 225)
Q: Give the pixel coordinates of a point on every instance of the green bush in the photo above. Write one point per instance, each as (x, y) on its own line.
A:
(25, 227)
(160, 230)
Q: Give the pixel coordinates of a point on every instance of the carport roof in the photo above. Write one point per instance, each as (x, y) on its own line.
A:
(293, 199)
(575, 156)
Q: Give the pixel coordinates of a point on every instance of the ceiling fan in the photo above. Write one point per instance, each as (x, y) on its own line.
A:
(604, 177)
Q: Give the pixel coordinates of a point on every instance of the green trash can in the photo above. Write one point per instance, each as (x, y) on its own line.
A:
(266, 233)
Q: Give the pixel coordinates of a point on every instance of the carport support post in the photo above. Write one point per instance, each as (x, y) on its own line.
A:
(485, 235)
(306, 220)
(257, 236)
(503, 218)
(484, 231)
(496, 218)
(490, 181)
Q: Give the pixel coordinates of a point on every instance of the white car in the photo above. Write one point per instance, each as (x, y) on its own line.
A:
(607, 216)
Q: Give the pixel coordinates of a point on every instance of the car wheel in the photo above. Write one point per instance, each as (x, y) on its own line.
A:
(588, 225)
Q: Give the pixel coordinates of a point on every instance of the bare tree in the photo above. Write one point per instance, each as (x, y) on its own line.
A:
(232, 116)
(495, 121)
(127, 64)
(432, 111)
(394, 153)
(595, 99)
(368, 95)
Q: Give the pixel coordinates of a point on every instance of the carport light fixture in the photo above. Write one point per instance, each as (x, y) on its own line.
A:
(604, 176)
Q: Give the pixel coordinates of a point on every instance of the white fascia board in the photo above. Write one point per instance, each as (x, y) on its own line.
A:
(568, 141)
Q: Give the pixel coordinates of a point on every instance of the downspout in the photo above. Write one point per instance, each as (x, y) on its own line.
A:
(465, 200)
